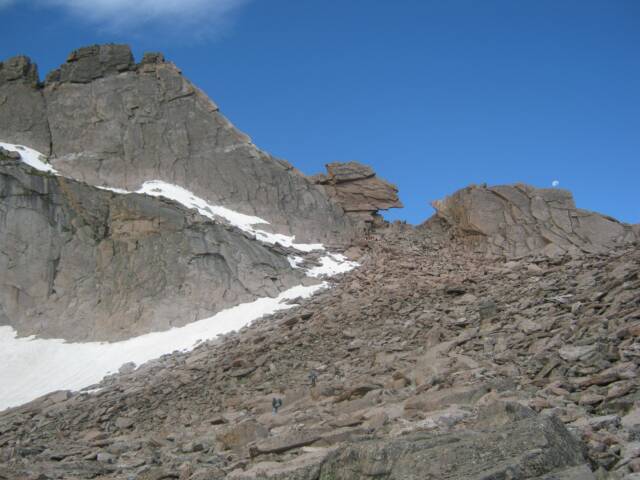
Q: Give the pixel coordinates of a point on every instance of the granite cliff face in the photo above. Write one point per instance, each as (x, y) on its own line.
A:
(23, 113)
(83, 263)
(106, 120)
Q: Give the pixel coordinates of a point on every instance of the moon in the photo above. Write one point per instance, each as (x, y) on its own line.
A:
(555, 183)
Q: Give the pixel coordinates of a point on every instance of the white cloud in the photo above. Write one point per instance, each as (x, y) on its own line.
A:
(172, 15)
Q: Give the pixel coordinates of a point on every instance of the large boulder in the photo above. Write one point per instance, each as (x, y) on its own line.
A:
(516, 220)
(108, 121)
(357, 189)
(524, 449)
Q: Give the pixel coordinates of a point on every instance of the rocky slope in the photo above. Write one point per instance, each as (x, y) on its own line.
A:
(433, 362)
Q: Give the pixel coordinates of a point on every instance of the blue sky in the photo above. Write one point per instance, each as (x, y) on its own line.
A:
(435, 95)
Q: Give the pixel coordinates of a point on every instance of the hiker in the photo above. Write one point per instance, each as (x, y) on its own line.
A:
(313, 376)
(276, 403)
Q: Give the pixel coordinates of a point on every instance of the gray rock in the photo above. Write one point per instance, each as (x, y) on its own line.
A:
(519, 450)
(107, 121)
(19, 69)
(581, 472)
(90, 63)
(83, 263)
(23, 114)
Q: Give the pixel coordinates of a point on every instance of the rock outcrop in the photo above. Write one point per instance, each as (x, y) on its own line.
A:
(357, 189)
(83, 263)
(106, 120)
(516, 220)
(23, 112)
(522, 449)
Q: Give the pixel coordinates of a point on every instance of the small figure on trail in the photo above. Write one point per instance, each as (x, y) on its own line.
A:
(313, 377)
(276, 403)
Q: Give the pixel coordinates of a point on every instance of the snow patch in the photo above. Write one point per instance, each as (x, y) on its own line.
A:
(332, 264)
(31, 367)
(31, 157)
(295, 261)
(158, 188)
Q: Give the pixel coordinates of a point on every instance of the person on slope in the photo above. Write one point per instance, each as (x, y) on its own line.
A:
(276, 403)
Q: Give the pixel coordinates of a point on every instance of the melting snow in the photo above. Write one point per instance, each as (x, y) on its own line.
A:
(295, 261)
(332, 264)
(158, 188)
(30, 367)
(31, 157)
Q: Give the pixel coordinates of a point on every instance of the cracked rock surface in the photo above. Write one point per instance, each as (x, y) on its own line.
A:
(517, 220)
(108, 121)
(81, 263)
(357, 189)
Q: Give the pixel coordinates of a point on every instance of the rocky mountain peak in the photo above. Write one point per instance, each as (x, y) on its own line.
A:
(90, 63)
(157, 125)
(19, 69)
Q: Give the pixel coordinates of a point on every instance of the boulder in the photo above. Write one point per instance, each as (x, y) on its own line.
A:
(532, 447)
(357, 189)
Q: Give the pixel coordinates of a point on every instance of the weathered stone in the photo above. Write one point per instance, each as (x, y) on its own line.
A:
(358, 191)
(90, 63)
(242, 434)
(23, 115)
(110, 266)
(523, 449)
(516, 220)
(282, 443)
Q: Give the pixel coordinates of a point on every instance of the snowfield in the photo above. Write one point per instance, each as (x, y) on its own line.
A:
(31, 367)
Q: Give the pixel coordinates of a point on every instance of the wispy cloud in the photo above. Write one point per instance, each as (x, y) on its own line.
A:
(195, 16)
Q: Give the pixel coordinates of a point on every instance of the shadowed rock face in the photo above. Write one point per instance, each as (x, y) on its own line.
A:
(82, 263)
(358, 191)
(108, 121)
(517, 220)
(23, 114)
